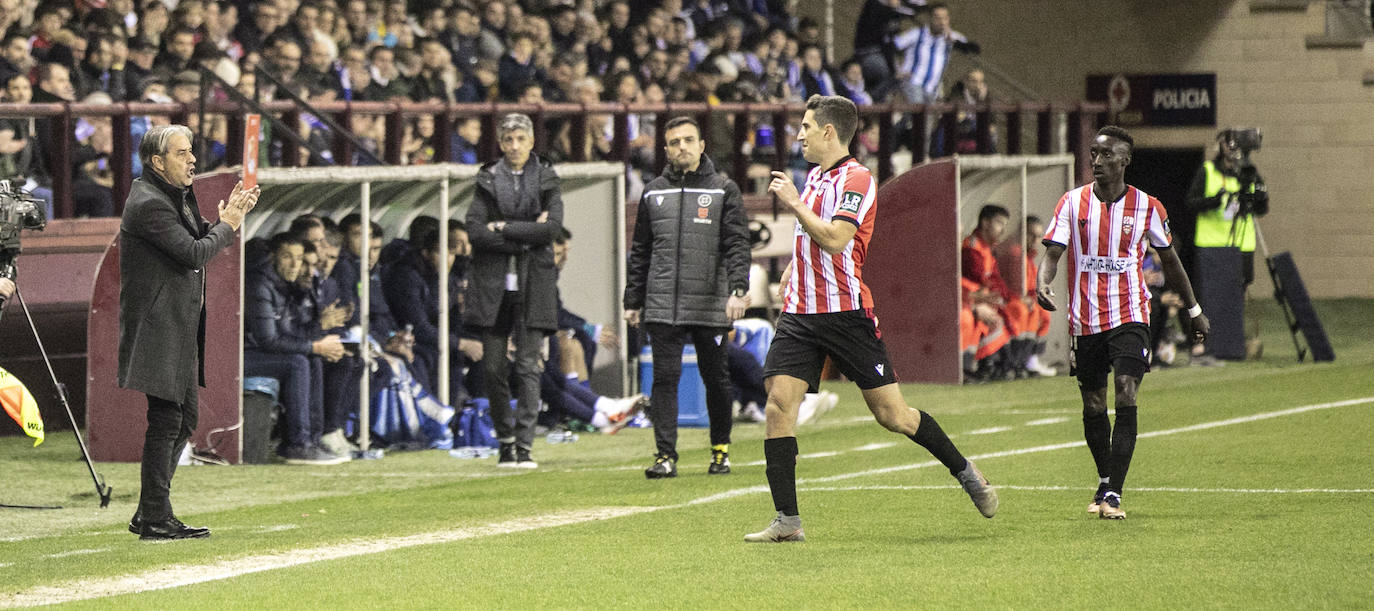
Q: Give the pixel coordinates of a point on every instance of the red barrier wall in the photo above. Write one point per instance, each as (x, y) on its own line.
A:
(116, 418)
(913, 272)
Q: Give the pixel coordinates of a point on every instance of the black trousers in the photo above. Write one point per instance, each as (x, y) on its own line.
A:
(170, 424)
(341, 382)
(666, 342)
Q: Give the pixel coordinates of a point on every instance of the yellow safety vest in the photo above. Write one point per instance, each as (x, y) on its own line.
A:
(1214, 226)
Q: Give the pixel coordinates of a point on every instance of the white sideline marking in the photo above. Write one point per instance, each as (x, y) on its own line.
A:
(183, 575)
(875, 446)
(990, 430)
(1076, 444)
(77, 552)
(1044, 421)
(1090, 489)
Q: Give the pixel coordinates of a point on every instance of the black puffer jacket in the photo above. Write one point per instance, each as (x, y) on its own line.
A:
(690, 248)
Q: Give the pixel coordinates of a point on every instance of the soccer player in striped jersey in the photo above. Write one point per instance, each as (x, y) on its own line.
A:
(1107, 226)
(827, 311)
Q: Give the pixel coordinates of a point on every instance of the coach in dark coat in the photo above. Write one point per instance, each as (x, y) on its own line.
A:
(164, 247)
(516, 212)
(686, 279)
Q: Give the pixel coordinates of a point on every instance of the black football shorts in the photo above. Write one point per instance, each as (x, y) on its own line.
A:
(851, 338)
(1125, 349)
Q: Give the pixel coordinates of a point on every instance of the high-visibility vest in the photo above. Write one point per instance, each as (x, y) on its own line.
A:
(1215, 226)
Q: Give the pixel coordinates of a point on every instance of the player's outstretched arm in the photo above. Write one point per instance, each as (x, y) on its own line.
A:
(1049, 268)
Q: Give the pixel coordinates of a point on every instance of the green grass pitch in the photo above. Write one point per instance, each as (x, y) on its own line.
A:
(1251, 488)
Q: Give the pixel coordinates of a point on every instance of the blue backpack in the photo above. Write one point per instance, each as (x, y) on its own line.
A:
(474, 428)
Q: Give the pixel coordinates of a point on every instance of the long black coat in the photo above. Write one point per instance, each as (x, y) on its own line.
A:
(162, 260)
(531, 244)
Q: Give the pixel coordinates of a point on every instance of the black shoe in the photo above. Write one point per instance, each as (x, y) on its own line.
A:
(663, 467)
(523, 460)
(506, 456)
(171, 528)
(136, 524)
(720, 463)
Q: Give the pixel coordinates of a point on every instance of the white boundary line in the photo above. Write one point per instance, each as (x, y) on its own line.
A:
(183, 575)
(1089, 489)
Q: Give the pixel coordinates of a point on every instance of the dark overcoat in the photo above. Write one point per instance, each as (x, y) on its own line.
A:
(527, 243)
(164, 245)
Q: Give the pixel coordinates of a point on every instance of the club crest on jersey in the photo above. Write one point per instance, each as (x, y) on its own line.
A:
(703, 212)
(704, 201)
(850, 201)
(1127, 225)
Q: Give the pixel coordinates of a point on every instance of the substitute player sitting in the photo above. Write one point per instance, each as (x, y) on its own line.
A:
(1108, 226)
(828, 311)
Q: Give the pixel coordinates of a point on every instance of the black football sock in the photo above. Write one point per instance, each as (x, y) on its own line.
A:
(1123, 445)
(931, 437)
(1097, 431)
(781, 455)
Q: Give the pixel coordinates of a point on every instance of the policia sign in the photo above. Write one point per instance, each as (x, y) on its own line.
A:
(1157, 99)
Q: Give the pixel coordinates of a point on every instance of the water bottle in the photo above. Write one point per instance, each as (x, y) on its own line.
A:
(561, 437)
(764, 136)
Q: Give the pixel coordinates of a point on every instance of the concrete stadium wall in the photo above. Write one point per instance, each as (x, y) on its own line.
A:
(1316, 115)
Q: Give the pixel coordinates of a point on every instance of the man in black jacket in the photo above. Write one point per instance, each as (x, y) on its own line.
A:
(516, 212)
(279, 341)
(690, 248)
(164, 247)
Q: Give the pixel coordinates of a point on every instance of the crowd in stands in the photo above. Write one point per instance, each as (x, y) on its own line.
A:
(531, 51)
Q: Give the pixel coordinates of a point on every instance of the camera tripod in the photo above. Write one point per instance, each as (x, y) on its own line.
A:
(102, 491)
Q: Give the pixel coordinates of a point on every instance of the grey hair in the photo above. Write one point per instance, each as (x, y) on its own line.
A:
(514, 122)
(158, 138)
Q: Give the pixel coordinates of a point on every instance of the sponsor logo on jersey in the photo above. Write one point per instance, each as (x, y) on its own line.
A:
(704, 201)
(878, 368)
(658, 200)
(850, 202)
(1105, 265)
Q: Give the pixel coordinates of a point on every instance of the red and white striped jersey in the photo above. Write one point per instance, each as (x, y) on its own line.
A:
(1106, 244)
(822, 282)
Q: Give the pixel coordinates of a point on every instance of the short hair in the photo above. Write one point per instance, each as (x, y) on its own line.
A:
(333, 237)
(1031, 219)
(992, 211)
(157, 139)
(457, 225)
(837, 111)
(421, 227)
(304, 223)
(677, 122)
(1119, 134)
(514, 122)
(284, 238)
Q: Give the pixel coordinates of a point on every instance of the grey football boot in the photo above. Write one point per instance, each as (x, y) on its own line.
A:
(783, 529)
(983, 495)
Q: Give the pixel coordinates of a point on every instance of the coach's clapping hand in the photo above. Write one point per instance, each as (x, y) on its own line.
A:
(1044, 295)
(240, 202)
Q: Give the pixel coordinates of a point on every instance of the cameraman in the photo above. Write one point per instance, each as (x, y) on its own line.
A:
(1227, 194)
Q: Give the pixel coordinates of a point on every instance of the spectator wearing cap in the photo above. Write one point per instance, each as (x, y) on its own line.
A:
(139, 67)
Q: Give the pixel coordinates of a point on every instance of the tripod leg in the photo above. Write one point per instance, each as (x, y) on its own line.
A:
(101, 489)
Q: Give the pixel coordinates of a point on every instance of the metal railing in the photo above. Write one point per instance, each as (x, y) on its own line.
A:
(1033, 127)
